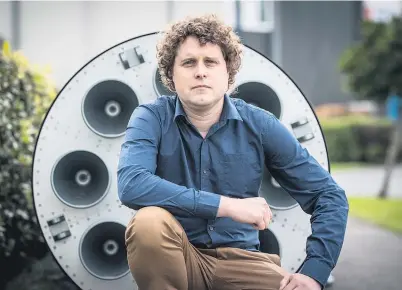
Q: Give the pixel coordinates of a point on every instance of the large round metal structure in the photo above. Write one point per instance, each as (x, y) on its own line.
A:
(77, 151)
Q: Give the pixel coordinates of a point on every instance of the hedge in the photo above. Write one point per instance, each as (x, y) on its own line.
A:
(25, 95)
(357, 139)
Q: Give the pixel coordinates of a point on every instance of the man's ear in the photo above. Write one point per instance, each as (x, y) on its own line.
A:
(230, 86)
(173, 89)
(171, 75)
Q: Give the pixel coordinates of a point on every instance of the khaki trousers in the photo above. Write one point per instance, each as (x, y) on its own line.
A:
(161, 257)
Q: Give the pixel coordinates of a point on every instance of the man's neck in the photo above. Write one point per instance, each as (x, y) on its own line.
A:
(204, 119)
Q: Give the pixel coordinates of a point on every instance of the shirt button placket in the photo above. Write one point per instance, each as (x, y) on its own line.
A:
(203, 164)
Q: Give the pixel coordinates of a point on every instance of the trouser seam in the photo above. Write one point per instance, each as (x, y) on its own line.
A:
(225, 281)
(214, 274)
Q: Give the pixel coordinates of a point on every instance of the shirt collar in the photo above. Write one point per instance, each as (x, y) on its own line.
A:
(229, 110)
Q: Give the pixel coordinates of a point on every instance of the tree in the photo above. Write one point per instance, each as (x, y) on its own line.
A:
(25, 95)
(374, 70)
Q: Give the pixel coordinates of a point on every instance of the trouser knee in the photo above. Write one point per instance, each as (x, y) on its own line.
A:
(154, 241)
(149, 227)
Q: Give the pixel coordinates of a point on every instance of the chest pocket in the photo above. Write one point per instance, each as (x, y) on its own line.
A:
(240, 174)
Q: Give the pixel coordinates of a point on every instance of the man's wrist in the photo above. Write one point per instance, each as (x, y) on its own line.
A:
(317, 270)
(224, 207)
(206, 204)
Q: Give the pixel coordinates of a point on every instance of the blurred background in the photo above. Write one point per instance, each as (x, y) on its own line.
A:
(345, 56)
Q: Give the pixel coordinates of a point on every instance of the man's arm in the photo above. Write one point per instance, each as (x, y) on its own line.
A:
(315, 190)
(138, 186)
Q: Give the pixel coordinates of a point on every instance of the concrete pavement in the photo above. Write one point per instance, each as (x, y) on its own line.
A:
(371, 259)
(367, 181)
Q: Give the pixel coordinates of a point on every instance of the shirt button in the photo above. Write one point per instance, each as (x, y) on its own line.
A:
(211, 228)
(205, 172)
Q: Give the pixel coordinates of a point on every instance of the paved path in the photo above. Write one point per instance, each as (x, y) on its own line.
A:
(371, 259)
(367, 181)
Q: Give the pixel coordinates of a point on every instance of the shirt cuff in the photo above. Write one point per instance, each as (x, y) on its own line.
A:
(317, 270)
(207, 204)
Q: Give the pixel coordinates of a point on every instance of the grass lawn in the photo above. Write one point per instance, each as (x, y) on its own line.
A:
(386, 213)
(335, 166)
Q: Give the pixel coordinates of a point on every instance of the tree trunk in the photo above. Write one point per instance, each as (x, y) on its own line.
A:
(390, 160)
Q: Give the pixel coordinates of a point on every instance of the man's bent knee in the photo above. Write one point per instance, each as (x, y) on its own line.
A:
(153, 237)
(150, 225)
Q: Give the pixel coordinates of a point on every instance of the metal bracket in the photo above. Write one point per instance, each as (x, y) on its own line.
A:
(302, 130)
(131, 57)
(59, 228)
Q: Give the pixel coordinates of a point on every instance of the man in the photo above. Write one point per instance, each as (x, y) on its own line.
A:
(192, 164)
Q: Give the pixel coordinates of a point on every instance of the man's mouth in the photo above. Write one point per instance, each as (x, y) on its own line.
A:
(201, 86)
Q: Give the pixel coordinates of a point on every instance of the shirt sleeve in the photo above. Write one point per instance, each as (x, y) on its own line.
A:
(138, 186)
(315, 190)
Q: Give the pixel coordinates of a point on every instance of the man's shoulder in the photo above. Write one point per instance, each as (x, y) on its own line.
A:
(162, 106)
(250, 112)
(163, 102)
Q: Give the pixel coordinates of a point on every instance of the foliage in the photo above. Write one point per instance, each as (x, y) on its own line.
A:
(357, 138)
(374, 70)
(374, 65)
(25, 95)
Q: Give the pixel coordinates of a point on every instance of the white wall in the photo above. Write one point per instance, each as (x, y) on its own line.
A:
(109, 23)
(65, 35)
(5, 19)
(223, 9)
(250, 12)
(383, 10)
(55, 33)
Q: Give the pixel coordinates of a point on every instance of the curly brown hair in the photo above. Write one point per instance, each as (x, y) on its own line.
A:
(208, 29)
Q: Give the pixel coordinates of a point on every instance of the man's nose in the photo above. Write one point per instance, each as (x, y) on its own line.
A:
(201, 71)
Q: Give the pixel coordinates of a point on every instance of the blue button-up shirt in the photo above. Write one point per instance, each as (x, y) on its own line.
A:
(165, 162)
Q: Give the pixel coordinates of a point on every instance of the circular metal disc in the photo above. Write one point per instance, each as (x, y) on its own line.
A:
(67, 130)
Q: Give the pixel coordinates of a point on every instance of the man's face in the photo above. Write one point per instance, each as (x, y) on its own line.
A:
(199, 74)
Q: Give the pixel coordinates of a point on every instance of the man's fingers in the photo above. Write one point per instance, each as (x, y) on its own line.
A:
(261, 225)
(284, 282)
(265, 215)
(267, 218)
(292, 284)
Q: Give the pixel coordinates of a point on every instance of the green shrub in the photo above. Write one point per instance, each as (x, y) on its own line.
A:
(25, 95)
(357, 139)
(341, 144)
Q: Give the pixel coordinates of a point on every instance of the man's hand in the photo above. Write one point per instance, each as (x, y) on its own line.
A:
(254, 211)
(299, 282)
